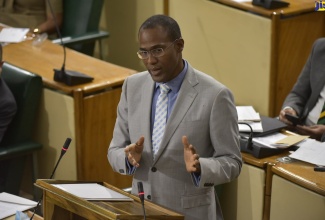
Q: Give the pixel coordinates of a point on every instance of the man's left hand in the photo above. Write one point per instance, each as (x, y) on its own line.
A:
(191, 157)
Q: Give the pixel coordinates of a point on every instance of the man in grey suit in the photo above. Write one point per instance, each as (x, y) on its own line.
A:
(199, 148)
(306, 99)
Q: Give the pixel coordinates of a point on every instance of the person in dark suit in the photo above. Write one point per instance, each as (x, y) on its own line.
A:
(199, 146)
(8, 105)
(306, 99)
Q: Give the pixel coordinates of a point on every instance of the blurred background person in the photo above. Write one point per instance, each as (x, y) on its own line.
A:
(307, 98)
(33, 14)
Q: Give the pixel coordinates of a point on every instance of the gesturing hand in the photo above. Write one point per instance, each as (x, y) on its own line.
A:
(134, 152)
(191, 158)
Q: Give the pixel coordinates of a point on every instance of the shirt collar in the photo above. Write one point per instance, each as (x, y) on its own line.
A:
(175, 84)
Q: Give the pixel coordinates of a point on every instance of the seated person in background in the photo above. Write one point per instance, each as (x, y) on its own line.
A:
(33, 14)
(8, 110)
(8, 106)
(306, 99)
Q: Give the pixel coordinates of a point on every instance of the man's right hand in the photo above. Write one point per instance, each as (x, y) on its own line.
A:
(134, 152)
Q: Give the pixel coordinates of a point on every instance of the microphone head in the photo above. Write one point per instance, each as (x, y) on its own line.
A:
(140, 191)
(65, 146)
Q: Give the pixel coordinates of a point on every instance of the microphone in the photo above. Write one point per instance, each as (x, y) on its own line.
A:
(141, 196)
(63, 151)
(249, 143)
(68, 77)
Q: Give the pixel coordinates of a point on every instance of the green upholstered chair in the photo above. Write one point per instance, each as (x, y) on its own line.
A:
(80, 27)
(17, 142)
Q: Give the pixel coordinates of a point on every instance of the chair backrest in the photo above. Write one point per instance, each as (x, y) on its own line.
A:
(81, 17)
(27, 89)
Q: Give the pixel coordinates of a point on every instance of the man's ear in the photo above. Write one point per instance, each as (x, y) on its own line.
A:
(180, 45)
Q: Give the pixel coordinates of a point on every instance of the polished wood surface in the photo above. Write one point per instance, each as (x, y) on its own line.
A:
(62, 205)
(261, 162)
(94, 103)
(302, 174)
(44, 58)
(296, 6)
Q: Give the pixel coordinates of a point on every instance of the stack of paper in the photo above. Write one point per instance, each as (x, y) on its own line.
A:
(278, 140)
(310, 151)
(9, 204)
(247, 114)
(13, 35)
(93, 191)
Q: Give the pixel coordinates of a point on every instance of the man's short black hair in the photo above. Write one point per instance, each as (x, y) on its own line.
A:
(168, 23)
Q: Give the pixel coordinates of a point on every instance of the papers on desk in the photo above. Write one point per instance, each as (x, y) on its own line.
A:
(9, 204)
(278, 140)
(310, 151)
(247, 114)
(13, 35)
(93, 191)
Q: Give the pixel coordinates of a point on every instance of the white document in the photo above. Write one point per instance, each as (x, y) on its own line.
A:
(13, 35)
(9, 204)
(93, 191)
(256, 126)
(247, 113)
(310, 151)
(270, 140)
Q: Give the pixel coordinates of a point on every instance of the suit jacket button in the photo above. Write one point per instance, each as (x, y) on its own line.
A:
(153, 169)
(121, 170)
(148, 196)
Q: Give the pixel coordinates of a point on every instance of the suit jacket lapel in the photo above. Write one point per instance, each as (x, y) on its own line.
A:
(146, 116)
(185, 98)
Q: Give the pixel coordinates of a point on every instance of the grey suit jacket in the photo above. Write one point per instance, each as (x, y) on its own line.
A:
(310, 83)
(205, 112)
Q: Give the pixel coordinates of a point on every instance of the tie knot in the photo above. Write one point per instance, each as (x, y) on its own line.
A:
(164, 88)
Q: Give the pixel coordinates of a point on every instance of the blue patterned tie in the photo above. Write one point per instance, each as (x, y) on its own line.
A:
(160, 118)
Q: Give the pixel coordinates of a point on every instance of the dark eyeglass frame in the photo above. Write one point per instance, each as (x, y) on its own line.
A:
(157, 52)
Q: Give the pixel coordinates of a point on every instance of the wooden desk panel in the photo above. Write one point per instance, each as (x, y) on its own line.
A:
(62, 205)
(43, 59)
(302, 174)
(85, 112)
(264, 50)
(298, 192)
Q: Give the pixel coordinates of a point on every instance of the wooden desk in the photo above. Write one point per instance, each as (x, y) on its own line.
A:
(62, 205)
(257, 53)
(298, 192)
(86, 112)
(248, 197)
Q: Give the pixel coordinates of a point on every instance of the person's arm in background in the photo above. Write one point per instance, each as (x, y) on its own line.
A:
(48, 25)
(297, 99)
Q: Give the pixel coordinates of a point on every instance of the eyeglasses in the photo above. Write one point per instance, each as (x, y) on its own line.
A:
(157, 52)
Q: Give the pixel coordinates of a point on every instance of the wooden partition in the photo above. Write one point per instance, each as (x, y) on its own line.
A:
(86, 112)
(257, 53)
(62, 205)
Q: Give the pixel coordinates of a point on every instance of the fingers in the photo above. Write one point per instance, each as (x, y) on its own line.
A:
(185, 141)
(140, 141)
(187, 145)
(129, 150)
